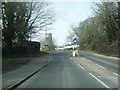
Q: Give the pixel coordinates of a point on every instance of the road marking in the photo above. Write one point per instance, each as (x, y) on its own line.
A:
(90, 61)
(116, 74)
(99, 81)
(81, 66)
(100, 66)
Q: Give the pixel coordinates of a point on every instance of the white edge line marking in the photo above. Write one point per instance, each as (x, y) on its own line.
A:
(116, 74)
(80, 66)
(100, 66)
(99, 81)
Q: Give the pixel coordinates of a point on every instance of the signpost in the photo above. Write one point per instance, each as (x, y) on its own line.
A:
(75, 51)
(75, 40)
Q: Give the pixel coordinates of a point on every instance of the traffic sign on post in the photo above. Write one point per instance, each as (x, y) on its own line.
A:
(75, 40)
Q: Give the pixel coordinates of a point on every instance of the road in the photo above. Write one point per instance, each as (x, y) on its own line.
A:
(108, 62)
(64, 72)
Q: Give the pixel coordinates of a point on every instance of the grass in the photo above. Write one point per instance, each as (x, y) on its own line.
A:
(15, 61)
(107, 54)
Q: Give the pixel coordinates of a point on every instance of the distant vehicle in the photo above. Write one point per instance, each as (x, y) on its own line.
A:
(74, 53)
(44, 49)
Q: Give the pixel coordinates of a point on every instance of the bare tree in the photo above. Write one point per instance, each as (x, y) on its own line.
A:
(41, 14)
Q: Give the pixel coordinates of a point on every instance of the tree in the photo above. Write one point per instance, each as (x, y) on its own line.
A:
(107, 14)
(8, 16)
(101, 32)
(1, 36)
(42, 15)
(22, 19)
(118, 19)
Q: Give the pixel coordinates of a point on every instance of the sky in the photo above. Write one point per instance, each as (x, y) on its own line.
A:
(67, 14)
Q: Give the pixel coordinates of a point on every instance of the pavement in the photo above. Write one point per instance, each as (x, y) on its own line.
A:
(12, 77)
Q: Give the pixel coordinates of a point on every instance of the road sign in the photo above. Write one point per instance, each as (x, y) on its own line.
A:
(75, 40)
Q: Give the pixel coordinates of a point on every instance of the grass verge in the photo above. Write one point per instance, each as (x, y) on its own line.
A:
(15, 61)
(106, 54)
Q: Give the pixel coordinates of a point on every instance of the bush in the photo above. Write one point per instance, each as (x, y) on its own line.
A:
(28, 48)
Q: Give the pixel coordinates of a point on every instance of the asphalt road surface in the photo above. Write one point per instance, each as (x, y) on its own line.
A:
(63, 72)
(109, 63)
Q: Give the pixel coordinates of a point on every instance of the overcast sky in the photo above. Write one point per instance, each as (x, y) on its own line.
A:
(68, 13)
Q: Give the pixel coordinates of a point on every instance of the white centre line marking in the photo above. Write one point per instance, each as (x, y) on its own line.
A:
(116, 74)
(90, 61)
(100, 66)
(99, 81)
(80, 66)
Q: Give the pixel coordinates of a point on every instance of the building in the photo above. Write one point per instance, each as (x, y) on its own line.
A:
(50, 43)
